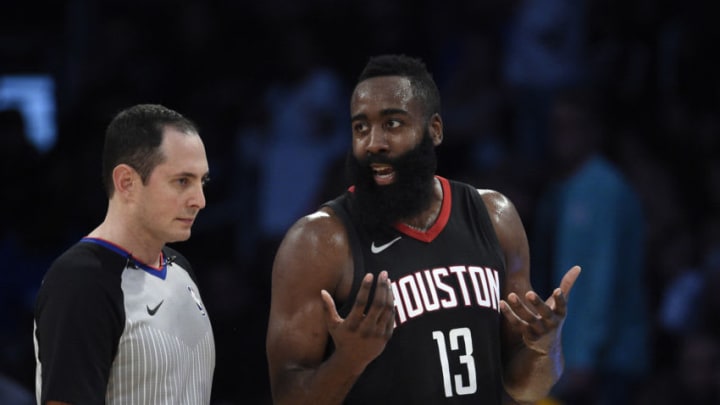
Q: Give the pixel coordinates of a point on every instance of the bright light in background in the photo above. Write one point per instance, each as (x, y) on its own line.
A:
(34, 97)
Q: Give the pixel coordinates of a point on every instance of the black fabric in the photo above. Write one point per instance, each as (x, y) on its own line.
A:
(80, 292)
(453, 271)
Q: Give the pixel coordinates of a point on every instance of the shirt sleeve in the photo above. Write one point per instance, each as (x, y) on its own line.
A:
(79, 318)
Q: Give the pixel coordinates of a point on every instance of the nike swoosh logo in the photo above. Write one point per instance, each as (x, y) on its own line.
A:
(151, 311)
(378, 249)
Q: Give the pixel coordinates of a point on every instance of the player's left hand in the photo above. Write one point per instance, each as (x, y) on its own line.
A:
(539, 322)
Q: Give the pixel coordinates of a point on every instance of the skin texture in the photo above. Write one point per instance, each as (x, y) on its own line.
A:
(142, 218)
(314, 264)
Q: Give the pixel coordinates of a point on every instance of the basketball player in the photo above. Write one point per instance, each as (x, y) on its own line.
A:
(119, 318)
(391, 293)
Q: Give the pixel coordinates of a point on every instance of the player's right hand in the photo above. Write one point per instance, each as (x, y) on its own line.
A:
(361, 337)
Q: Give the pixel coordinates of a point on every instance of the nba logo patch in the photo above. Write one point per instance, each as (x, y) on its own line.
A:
(197, 300)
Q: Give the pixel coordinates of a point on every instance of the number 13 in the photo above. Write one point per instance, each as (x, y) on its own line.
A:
(467, 359)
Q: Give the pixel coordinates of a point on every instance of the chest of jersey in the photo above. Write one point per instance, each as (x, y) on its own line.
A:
(171, 305)
(453, 271)
(167, 341)
(445, 346)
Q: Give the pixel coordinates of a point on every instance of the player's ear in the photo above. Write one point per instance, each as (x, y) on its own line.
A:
(435, 127)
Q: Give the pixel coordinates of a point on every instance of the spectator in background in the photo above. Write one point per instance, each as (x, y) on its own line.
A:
(303, 139)
(679, 265)
(545, 51)
(589, 212)
(475, 110)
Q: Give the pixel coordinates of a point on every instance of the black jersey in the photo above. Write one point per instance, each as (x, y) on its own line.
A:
(112, 330)
(446, 283)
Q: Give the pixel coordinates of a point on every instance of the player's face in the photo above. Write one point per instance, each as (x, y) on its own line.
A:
(173, 195)
(393, 160)
(387, 121)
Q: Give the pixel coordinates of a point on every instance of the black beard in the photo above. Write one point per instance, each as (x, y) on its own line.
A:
(376, 206)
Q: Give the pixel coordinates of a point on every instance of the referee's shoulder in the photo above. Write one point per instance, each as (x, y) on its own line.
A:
(84, 260)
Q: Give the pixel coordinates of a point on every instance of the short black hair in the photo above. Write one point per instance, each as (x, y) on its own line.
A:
(133, 137)
(414, 69)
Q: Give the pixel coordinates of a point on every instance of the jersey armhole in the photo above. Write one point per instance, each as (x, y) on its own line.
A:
(485, 220)
(355, 250)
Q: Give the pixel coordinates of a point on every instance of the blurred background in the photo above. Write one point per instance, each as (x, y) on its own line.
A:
(268, 83)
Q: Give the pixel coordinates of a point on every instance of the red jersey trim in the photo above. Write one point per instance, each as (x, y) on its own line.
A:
(431, 233)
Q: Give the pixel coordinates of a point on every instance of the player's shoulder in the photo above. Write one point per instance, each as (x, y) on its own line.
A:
(493, 197)
(497, 202)
(488, 195)
(323, 222)
(498, 205)
(319, 237)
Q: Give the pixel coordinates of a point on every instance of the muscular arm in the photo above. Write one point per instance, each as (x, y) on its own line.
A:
(532, 353)
(312, 265)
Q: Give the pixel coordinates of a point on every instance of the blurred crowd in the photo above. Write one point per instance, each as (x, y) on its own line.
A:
(268, 84)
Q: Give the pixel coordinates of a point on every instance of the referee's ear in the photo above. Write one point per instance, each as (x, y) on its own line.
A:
(125, 181)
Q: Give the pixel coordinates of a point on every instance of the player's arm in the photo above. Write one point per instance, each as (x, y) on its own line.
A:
(531, 327)
(310, 268)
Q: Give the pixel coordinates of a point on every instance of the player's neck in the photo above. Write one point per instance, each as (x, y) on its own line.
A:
(426, 219)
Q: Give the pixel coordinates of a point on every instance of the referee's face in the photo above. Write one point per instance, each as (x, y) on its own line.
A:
(173, 195)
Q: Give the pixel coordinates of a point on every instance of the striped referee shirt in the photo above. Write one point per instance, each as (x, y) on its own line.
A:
(109, 329)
